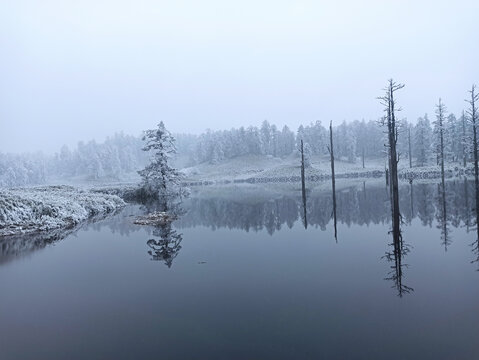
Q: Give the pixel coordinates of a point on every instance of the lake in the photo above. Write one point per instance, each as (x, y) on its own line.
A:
(252, 272)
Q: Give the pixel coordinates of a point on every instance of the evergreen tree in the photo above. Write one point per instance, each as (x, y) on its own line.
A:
(453, 139)
(439, 134)
(307, 155)
(158, 176)
(422, 141)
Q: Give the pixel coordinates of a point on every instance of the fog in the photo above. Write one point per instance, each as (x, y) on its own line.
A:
(75, 70)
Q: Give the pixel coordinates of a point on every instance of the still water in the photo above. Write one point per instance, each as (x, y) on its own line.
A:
(251, 273)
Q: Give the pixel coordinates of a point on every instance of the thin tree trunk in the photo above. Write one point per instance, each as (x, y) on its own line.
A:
(464, 153)
(409, 142)
(411, 198)
(363, 158)
(441, 137)
(474, 143)
(393, 158)
(303, 185)
(466, 197)
(333, 179)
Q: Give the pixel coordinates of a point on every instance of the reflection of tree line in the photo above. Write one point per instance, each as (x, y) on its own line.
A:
(13, 246)
(20, 245)
(360, 205)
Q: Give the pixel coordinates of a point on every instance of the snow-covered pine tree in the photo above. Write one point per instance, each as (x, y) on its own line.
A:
(274, 140)
(440, 129)
(158, 177)
(453, 139)
(465, 139)
(307, 155)
(422, 141)
(349, 145)
(286, 141)
(265, 133)
(439, 133)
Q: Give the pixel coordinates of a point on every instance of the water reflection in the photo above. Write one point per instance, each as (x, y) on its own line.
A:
(12, 247)
(361, 205)
(356, 204)
(167, 242)
(167, 247)
(441, 216)
(399, 250)
(304, 213)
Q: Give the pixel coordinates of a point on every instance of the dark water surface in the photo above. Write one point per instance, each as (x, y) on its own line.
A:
(238, 276)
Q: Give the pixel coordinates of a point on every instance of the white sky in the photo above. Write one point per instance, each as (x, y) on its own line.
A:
(76, 70)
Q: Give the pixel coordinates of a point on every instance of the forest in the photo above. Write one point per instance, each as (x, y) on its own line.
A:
(418, 145)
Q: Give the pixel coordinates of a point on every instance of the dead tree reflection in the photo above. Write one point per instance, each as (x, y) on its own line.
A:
(305, 212)
(441, 216)
(411, 199)
(396, 274)
(475, 244)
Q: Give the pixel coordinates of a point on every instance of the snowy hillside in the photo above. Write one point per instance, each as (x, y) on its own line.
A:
(51, 207)
(261, 168)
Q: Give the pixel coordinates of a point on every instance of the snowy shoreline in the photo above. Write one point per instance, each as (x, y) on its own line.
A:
(253, 170)
(45, 208)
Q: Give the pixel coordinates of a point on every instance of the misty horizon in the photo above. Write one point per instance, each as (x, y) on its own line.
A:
(85, 71)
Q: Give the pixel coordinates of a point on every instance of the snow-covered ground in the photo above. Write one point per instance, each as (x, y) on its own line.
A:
(27, 210)
(255, 168)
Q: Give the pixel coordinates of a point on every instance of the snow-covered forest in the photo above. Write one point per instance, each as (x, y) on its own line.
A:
(121, 154)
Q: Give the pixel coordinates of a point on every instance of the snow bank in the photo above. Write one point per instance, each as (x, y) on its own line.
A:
(27, 210)
(261, 169)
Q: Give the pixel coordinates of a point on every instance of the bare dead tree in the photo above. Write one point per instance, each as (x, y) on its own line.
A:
(333, 178)
(303, 185)
(389, 120)
(473, 118)
(440, 116)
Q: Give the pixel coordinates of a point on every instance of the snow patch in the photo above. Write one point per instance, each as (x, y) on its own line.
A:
(46, 208)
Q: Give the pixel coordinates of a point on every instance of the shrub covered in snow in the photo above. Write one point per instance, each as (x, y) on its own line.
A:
(51, 207)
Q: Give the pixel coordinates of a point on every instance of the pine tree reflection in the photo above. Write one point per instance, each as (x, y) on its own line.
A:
(167, 244)
(167, 247)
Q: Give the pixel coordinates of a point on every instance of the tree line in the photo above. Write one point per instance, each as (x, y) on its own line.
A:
(353, 142)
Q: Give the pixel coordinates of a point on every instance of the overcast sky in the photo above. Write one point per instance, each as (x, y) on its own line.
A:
(76, 70)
